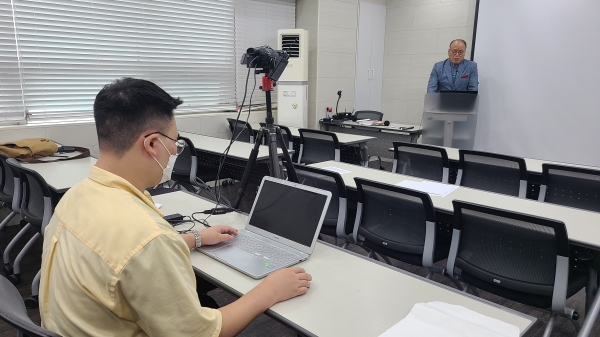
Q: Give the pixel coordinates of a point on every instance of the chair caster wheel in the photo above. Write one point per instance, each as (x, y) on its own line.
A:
(8, 269)
(32, 302)
(23, 223)
(14, 278)
(225, 183)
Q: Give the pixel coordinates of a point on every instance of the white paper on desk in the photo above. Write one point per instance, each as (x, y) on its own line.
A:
(366, 122)
(335, 169)
(439, 319)
(429, 187)
(157, 205)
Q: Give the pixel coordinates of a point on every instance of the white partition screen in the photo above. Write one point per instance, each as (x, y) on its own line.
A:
(539, 79)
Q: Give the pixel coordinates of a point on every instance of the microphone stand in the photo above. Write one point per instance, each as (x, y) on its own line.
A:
(336, 104)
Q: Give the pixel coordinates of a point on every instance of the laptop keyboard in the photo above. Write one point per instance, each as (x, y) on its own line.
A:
(272, 255)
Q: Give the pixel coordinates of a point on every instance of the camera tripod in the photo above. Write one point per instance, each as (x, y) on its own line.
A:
(273, 135)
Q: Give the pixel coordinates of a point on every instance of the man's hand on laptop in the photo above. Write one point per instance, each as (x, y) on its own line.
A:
(215, 234)
(286, 283)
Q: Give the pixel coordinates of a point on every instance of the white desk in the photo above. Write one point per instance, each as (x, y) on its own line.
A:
(343, 138)
(534, 166)
(583, 227)
(238, 150)
(62, 175)
(350, 295)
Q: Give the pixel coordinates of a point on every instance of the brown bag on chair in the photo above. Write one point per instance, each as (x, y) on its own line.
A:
(29, 148)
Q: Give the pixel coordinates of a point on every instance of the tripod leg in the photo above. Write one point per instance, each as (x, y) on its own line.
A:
(287, 159)
(248, 169)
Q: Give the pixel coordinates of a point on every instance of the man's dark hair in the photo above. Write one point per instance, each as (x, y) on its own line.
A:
(459, 40)
(126, 108)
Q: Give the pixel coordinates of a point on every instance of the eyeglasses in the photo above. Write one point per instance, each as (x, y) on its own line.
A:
(457, 52)
(179, 143)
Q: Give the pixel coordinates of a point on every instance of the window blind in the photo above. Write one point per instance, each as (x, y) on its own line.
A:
(256, 24)
(70, 49)
(11, 99)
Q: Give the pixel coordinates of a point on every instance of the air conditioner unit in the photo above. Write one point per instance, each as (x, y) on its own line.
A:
(292, 87)
(295, 43)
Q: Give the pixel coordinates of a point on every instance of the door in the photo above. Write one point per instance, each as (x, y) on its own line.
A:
(363, 56)
(377, 50)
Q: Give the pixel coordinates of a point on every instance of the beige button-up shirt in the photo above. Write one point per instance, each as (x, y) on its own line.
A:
(112, 266)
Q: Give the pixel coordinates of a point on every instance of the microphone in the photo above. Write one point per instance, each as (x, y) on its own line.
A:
(339, 93)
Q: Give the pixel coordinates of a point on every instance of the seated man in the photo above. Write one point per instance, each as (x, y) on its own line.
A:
(454, 73)
(111, 265)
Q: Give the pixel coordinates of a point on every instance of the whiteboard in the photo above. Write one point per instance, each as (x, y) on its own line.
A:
(539, 79)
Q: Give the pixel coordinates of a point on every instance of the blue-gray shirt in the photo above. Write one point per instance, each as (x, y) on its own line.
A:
(445, 76)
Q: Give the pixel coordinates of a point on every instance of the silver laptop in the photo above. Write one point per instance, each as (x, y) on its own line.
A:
(282, 229)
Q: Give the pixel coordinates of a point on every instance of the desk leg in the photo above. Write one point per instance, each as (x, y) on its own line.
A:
(364, 155)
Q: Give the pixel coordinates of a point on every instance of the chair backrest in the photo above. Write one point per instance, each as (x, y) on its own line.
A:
(423, 161)
(395, 218)
(241, 130)
(492, 172)
(36, 203)
(368, 114)
(286, 133)
(335, 217)
(510, 250)
(17, 195)
(570, 186)
(186, 166)
(318, 146)
(6, 181)
(13, 311)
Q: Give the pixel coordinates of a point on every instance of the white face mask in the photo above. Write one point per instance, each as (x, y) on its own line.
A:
(167, 170)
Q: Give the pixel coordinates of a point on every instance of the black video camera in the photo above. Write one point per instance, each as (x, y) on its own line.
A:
(269, 61)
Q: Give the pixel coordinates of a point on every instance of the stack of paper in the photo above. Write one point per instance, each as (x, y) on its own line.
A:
(430, 187)
(366, 122)
(438, 319)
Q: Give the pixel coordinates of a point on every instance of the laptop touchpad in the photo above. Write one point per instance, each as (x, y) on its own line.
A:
(239, 258)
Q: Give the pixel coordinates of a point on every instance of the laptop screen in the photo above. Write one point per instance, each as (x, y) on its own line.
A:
(288, 212)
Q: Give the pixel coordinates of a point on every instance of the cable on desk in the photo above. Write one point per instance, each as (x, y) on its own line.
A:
(223, 157)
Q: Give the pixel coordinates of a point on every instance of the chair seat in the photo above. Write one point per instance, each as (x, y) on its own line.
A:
(441, 252)
(577, 280)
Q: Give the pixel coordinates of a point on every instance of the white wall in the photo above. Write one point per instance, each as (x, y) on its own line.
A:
(418, 33)
(84, 134)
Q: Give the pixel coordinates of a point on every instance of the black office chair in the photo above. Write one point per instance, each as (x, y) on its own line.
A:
(368, 114)
(318, 146)
(185, 173)
(336, 222)
(9, 195)
(241, 130)
(492, 172)
(520, 257)
(570, 186)
(13, 312)
(399, 223)
(287, 136)
(423, 161)
(37, 207)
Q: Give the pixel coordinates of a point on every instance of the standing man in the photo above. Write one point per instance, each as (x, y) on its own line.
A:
(454, 73)
(111, 265)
